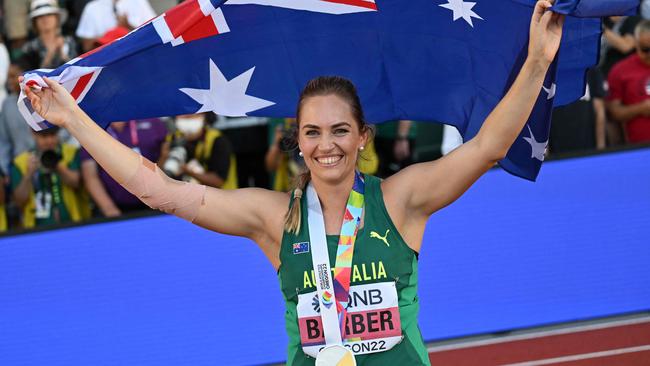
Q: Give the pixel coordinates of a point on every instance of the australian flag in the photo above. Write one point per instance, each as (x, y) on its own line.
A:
(447, 61)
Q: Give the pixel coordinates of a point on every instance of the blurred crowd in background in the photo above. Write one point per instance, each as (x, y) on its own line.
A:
(47, 179)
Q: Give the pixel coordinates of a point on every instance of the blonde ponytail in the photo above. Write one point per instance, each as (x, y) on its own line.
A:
(292, 220)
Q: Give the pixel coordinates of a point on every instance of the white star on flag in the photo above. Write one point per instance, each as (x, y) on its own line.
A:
(550, 91)
(227, 98)
(538, 148)
(462, 9)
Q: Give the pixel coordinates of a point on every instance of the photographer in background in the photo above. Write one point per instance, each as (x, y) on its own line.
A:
(200, 153)
(147, 137)
(45, 182)
(283, 161)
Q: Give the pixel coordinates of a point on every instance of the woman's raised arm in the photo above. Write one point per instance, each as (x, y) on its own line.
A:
(57, 106)
(416, 192)
(253, 213)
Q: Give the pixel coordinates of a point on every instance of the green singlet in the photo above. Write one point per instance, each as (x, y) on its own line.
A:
(380, 256)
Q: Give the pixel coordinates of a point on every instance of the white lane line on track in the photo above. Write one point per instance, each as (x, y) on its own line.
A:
(584, 356)
(532, 335)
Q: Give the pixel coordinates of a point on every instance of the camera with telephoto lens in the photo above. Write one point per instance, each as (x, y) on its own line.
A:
(50, 159)
(176, 159)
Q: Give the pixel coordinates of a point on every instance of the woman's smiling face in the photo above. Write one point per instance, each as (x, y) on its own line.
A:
(329, 138)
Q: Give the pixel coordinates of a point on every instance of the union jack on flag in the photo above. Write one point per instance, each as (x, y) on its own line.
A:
(445, 61)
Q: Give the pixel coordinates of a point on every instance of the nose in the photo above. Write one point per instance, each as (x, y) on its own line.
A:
(326, 143)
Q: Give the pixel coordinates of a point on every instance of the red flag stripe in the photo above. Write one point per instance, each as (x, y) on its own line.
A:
(359, 3)
(81, 85)
(183, 17)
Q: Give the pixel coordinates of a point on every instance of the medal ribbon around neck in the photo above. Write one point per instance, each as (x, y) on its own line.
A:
(345, 250)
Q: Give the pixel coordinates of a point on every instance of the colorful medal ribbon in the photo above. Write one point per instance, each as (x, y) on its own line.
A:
(345, 250)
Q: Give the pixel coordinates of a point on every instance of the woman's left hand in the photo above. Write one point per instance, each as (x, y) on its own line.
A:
(545, 33)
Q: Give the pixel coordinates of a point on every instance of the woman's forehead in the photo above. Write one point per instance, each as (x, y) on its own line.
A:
(325, 110)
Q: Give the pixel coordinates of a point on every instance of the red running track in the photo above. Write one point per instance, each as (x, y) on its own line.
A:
(620, 343)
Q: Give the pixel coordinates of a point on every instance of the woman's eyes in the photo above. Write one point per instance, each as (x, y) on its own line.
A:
(338, 131)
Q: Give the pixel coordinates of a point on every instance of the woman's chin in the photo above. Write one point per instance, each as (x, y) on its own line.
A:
(333, 174)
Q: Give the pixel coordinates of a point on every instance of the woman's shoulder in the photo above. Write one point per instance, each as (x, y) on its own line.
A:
(372, 180)
(272, 205)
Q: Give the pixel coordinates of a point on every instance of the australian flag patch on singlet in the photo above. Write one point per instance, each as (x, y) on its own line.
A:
(299, 248)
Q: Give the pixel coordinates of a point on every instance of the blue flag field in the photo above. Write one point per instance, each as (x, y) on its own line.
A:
(448, 61)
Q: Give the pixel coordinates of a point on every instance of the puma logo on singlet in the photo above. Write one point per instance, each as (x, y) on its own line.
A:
(373, 234)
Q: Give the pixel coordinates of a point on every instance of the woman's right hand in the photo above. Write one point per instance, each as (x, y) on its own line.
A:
(53, 103)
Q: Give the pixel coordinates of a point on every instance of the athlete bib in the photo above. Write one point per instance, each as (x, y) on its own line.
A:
(372, 320)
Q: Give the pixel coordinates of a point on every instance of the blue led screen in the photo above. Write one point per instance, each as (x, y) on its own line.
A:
(159, 291)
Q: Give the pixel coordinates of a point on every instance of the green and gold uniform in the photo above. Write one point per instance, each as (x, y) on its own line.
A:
(380, 256)
(70, 204)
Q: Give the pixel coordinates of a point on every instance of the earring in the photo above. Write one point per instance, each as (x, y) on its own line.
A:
(301, 154)
(361, 148)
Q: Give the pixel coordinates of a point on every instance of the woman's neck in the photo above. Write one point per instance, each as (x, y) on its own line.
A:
(333, 199)
(333, 194)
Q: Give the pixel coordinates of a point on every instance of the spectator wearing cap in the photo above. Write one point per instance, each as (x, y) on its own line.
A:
(50, 49)
(45, 182)
(629, 89)
(100, 16)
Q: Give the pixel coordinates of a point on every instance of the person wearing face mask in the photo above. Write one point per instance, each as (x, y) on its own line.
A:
(146, 137)
(200, 153)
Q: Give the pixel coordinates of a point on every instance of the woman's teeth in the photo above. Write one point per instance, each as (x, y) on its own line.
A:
(329, 160)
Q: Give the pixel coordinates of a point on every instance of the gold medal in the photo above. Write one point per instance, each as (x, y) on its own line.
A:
(335, 355)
